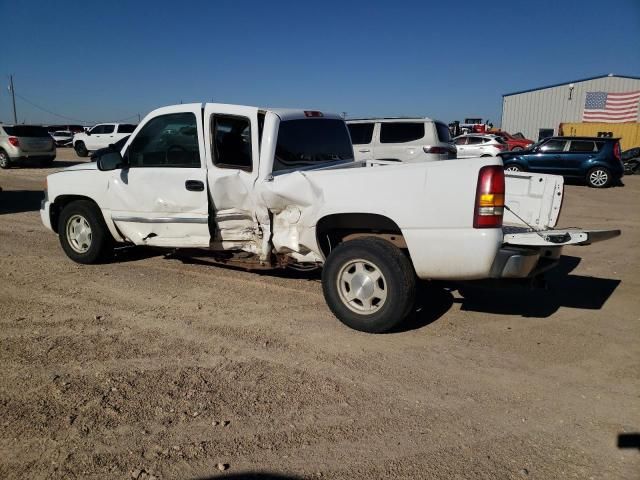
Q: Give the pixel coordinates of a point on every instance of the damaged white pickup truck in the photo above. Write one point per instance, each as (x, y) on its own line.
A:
(270, 188)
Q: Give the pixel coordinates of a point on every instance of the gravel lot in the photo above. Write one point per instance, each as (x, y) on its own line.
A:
(174, 368)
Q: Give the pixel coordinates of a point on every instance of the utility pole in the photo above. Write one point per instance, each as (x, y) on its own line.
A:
(13, 97)
(138, 118)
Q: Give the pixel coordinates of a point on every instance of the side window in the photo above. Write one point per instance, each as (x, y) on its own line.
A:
(553, 146)
(581, 146)
(401, 132)
(97, 129)
(443, 132)
(126, 128)
(461, 141)
(232, 142)
(166, 141)
(475, 140)
(108, 128)
(361, 133)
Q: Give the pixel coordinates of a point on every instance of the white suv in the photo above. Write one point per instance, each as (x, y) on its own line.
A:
(401, 139)
(101, 136)
(480, 145)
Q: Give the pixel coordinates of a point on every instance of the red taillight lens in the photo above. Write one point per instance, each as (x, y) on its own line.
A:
(499, 146)
(439, 150)
(14, 141)
(312, 113)
(616, 151)
(489, 197)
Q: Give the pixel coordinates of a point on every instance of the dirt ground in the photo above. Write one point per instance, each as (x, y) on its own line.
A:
(172, 367)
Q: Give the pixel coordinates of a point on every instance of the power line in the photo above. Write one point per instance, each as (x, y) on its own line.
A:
(49, 111)
(39, 107)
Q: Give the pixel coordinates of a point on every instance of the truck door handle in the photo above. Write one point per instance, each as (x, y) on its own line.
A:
(194, 185)
(364, 150)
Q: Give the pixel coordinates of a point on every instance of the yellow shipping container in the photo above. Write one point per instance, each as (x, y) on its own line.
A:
(628, 133)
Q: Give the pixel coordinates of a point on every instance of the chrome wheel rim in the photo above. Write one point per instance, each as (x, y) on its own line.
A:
(79, 233)
(598, 178)
(4, 159)
(512, 169)
(362, 286)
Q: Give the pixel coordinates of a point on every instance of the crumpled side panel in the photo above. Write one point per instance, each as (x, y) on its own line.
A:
(294, 200)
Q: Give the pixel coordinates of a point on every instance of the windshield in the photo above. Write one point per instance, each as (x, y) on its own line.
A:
(303, 143)
(27, 131)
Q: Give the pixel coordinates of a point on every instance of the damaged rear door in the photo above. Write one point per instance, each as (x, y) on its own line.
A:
(161, 198)
(232, 139)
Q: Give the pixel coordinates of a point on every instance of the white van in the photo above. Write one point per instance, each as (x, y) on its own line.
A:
(401, 139)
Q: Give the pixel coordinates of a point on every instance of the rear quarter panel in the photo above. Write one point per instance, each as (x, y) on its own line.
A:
(432, 203)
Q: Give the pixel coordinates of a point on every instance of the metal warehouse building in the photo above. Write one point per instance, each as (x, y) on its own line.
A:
(538, 112)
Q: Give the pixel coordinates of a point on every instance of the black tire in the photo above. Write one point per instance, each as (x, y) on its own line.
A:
(81, 149)
(99, 245)
(397, 281)
(599, 177)
(5, 161)
(513, 167)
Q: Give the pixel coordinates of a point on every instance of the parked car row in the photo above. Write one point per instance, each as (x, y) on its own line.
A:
(596, 160)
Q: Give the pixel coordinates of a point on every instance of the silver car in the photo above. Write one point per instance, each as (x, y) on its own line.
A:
(479, 145)
(25, 143)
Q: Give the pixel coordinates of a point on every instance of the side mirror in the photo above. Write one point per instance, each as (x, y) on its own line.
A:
(88, 132)
(110, 160)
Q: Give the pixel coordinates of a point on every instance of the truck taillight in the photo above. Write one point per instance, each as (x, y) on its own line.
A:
(489, 207)
(14, 141)
(312, 113)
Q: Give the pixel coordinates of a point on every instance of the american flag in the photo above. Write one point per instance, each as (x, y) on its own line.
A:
(611, 107)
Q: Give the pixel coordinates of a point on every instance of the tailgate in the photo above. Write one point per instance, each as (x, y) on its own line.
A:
(532, 199)
(556, 238)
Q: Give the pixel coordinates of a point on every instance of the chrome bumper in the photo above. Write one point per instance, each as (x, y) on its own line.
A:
(515, 262)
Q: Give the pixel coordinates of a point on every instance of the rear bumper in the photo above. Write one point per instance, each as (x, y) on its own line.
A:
(516, 262)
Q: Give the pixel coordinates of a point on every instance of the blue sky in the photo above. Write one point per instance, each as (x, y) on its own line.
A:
(98, 61)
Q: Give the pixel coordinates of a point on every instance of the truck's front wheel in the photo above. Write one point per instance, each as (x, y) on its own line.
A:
(369, 284)
(83, 234)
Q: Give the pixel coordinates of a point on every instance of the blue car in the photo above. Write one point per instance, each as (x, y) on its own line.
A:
(597, 160)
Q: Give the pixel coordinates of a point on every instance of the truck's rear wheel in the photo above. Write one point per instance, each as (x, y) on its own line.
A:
(369, 284)
(83, 234)
(80, 149)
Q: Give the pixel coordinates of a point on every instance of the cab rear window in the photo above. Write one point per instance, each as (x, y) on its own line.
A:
(304, 143)
(27, 131)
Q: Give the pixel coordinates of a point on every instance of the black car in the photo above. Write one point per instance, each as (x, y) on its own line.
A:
(597, 160)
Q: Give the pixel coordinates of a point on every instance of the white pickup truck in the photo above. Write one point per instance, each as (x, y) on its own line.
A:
(100, 136)
(270, 188)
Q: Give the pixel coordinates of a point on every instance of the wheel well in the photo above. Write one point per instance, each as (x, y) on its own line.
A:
(62, 201)
(334, 229)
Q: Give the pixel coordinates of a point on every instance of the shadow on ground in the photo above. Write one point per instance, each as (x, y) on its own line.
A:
(434, 299)
(563, 289)
(18, 201)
